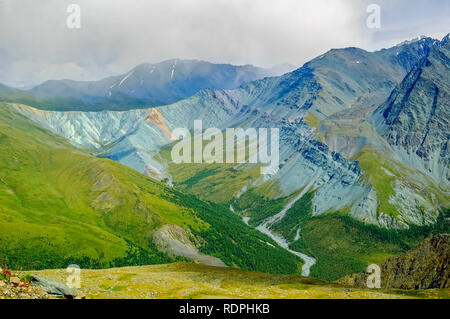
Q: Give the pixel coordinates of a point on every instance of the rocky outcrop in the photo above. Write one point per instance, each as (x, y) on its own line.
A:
(425, 267)
(25, 286)
(14, 291)
(175, 241)
(53, 287)
(416, 116)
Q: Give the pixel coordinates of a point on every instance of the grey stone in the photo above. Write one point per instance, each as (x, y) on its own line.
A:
(52, 287)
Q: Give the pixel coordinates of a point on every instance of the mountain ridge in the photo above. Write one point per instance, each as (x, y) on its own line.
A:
(406, 121)
(146, 85)
(61, 205)
(288, 102)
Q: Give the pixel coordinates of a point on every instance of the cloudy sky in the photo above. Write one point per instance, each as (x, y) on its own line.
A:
(36, 44)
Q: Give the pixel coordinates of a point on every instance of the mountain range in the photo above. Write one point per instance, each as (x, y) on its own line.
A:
(146, 85)
(61, 205)
(363, 171)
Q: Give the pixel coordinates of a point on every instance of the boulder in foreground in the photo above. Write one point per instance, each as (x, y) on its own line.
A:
(53, 287)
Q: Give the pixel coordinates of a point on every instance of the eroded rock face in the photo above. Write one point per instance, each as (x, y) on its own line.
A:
(175, 241)
(425, 267)
(416, 115)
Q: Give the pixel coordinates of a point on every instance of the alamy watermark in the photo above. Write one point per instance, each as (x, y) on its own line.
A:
(235, 145)
(374, 19)
(73, 20)
(374, 276)
(73, 280)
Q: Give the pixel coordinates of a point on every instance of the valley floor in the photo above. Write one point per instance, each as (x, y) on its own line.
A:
(186, 280)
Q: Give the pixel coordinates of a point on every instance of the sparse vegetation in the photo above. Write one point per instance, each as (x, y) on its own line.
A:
(187, 280)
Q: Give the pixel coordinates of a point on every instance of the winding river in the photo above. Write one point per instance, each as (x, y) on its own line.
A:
(281, 241)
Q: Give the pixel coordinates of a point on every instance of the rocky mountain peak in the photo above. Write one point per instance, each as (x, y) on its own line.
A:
(416, 115)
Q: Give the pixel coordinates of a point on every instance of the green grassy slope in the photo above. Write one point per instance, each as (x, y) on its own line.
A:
(60, 205)
(216, 182)
(340, 244)
(258, 206)
(343, 245)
